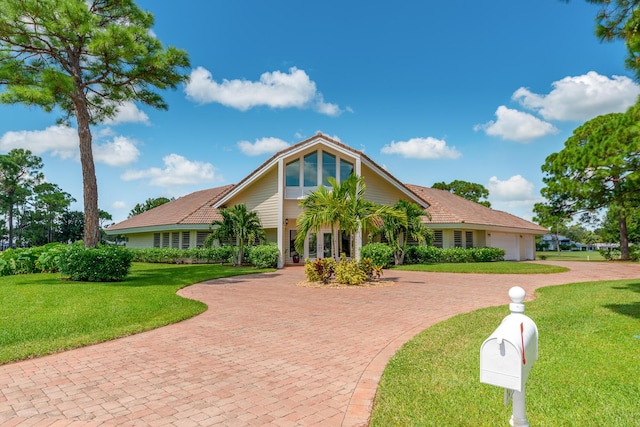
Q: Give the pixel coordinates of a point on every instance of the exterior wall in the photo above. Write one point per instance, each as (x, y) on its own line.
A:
(271, 235)
(507, 241)
(378, 190)
(139, 240)
(262, 196)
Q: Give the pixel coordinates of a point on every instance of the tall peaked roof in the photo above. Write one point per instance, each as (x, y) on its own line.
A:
(194, 208)
(448, 208)
(316, 139)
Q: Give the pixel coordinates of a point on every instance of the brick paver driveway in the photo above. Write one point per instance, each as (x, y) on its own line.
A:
(266, 352)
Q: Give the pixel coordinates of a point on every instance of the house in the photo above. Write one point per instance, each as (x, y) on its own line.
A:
(275, 188)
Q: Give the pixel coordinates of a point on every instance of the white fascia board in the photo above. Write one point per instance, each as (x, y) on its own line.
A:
(158, 228)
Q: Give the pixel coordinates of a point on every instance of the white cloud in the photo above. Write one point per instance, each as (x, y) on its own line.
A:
(276, 90)
(177, 172)
(581, 98)
(60, 141)
(262, 146)
(422, 148)
(118, 204)
(516, 188)
(517, 126)
(128, 112)
(119, 152)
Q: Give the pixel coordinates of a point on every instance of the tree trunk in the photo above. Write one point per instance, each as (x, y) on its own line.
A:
(90, 183)
(10, 219)
(624, 236)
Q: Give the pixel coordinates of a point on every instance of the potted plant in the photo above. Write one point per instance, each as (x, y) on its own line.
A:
(296, 257)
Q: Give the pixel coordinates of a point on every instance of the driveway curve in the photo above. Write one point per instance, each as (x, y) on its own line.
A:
(266, 352)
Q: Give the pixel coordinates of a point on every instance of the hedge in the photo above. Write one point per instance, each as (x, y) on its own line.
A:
(106, 263)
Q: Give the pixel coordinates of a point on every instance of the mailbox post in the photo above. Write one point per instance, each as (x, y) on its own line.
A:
(506, 357)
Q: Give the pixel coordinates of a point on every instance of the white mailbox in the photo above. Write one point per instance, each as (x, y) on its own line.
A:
(506, 357)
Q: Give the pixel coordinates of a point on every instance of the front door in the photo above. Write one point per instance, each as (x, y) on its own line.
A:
(319, 245)
(327, 244)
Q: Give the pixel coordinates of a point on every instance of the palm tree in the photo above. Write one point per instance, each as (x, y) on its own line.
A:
(343, 206)
(398, 234)
(240, 224)
(321, 207)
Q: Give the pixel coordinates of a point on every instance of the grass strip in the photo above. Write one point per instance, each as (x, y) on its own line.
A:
(499, 267)
(42, 314)
(586, 375)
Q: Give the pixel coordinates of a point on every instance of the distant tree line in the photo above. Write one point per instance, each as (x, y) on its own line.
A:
(35, 212)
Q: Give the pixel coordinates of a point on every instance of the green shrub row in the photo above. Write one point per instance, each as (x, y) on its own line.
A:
(432, 255)
(262, 256)
(215, 255)
(379, 253)
(347, 272)
(40, 259)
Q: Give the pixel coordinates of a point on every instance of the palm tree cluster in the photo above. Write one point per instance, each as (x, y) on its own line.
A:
(342, 206)
(239, 224)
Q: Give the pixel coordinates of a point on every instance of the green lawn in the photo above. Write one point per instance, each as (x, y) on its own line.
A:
(500, 267)
(570, 255)
(42, 314)
(586, 375)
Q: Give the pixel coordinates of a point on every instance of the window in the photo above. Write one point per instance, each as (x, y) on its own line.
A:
(328, 167)
(313, 245)
(186, 240)
(346, 243)
(293, 174)
(437, 238)
(457, 239)
(346, 169)
(200, 238)
(292, 241)
(468, 236)
(311, 170)
(165, 240)
(175, 240)
(156, 240)
(305, 173)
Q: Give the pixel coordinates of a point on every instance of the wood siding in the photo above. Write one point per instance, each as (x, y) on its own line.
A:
(261, 196)
(379, 190)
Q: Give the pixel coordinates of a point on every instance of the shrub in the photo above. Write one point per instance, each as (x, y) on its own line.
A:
(47, 261)
(433, 255)
(380, 254)
(158, 255)
(610, 253)
(101, 264)
(424, 255)
(487, 254)
(215, 254)
(349, 272)
(265, 256)
(321, 269)
(372, 271)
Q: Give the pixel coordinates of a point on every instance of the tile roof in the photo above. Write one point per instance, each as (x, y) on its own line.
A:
(447, 208)
(194, 208)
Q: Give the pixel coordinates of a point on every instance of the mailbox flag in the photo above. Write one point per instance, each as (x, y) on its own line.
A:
(524, 359)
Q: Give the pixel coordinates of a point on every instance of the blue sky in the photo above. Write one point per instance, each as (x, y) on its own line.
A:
(432, 91)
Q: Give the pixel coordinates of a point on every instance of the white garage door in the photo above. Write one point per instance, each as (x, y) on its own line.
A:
(508, 242)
